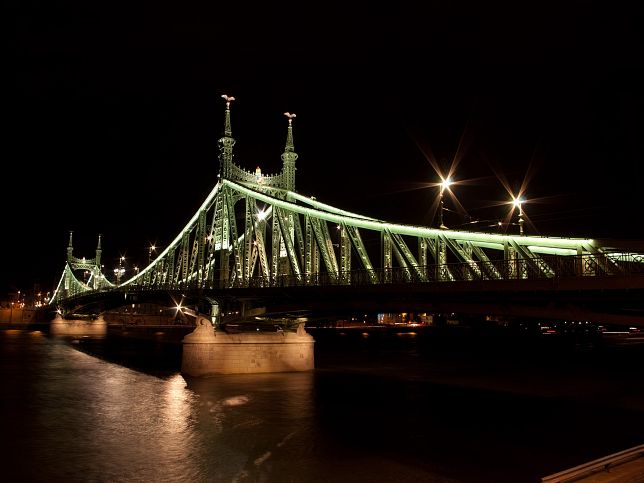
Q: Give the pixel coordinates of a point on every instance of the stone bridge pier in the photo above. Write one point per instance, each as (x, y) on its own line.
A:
(207, 351)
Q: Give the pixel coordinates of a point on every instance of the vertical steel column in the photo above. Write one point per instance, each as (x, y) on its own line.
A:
(232, 227)
(345, 255)
(200, 237)
(309, 243)
(441, 259)
(275, 248)
(387, 262)
(422, 255)
(251, 210)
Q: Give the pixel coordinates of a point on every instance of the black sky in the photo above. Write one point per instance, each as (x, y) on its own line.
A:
(113, 115)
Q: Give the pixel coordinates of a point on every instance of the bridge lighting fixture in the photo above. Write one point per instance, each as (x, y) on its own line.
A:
(118, 272)
(517, 202)
(444, 184)
(150, 250)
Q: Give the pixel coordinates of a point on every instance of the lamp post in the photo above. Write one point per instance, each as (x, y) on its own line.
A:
(445, 184)
(150, 250)
(119, 271)
(518, 202)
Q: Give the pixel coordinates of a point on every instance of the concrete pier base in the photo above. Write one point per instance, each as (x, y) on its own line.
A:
(92, 328)
(206, 351)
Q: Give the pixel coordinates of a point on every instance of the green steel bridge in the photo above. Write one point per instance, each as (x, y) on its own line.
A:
(255, 241)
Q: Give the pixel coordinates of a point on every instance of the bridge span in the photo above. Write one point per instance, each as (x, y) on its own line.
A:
(256, 243)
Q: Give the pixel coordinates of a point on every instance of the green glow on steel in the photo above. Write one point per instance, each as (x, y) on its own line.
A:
(552, 251)
(328, 208)
(178, 238)
(372, 224)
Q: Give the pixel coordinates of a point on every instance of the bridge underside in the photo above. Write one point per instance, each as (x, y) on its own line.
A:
(618, 300)
(595, 302)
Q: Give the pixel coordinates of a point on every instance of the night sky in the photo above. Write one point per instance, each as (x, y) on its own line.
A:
(114, 111)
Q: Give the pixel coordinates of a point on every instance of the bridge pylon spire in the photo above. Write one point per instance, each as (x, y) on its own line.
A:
(289, 156)
(70, 248)
(226, 142)
(99, 250)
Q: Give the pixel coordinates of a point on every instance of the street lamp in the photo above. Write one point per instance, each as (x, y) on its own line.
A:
(119, 271)
(518, 202)
(150, 250)
(444, 184)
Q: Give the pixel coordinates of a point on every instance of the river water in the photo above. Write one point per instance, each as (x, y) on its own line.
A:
(400, 406)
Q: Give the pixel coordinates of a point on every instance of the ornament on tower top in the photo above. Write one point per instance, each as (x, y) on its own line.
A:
(228, 100)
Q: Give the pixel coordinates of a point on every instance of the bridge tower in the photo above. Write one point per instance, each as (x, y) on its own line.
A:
(92, 265)
(282, 237)
(279, 184)
(70, 285)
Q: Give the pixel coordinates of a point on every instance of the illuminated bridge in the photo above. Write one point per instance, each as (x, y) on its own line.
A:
(256, 244)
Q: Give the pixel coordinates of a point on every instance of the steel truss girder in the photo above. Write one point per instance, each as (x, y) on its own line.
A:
(285, 225)
(356, 240)
(325, 245)
(276, 242)
(491, 271)
(345, 256)
(405, 253)
(260, 245)
(250, 210)
(463, 256)
(299, 238)
(237, 278)
(385, 243)
(533, 260)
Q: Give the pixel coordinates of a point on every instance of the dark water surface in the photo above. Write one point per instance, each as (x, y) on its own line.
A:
(379, 407)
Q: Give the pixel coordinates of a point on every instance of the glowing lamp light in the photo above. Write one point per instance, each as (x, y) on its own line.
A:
(446, 183)
(517, 202)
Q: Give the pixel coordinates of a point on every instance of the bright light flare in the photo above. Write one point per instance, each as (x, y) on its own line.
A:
(517, 202)
(446, 183)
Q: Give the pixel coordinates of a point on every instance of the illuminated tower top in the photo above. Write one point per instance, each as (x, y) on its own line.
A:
(273, 183)
(226, 142)
(70, 248)
(91, 265)
(289, 156)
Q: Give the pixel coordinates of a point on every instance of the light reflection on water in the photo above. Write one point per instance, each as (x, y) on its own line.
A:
(70, 415)
(81, 418)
